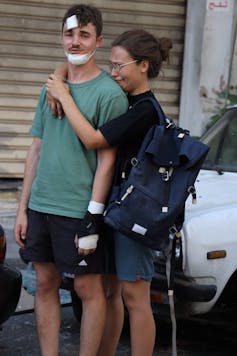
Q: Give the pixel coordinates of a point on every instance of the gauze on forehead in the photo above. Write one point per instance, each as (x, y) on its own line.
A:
(71, 22)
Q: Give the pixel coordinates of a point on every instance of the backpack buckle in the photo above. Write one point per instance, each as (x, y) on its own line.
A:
(165, 176)
(192, 191)
(166, 173)
(174, 231)
(134, 161)
(169, 123)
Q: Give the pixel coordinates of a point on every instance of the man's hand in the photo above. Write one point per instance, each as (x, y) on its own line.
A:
(88, 233)
(20, 228)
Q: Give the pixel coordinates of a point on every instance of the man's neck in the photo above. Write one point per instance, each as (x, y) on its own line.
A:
(82, 73)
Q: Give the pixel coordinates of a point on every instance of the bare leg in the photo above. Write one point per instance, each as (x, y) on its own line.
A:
(47, 307)
(142, 326)
(91, 291)
(114, 318)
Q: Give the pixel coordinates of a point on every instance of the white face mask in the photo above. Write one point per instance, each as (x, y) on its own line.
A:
(79, 59)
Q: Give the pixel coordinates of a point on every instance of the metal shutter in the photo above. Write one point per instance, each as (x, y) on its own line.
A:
(30, 49)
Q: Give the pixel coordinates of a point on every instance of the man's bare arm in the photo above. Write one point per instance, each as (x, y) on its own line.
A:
(29, 175)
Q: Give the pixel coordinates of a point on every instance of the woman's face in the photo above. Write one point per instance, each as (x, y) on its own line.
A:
(129, 74)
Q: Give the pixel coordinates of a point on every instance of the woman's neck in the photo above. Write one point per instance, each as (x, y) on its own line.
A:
(140, 90)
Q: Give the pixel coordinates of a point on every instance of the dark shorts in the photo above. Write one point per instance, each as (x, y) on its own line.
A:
(50, 238)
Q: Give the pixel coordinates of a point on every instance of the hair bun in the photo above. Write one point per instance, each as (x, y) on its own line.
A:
(165, 47)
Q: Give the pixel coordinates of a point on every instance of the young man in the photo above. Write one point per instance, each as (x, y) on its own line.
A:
(65, 187)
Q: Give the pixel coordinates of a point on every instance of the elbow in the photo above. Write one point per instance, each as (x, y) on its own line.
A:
(94, 143)
(93, 139)
(91, 145)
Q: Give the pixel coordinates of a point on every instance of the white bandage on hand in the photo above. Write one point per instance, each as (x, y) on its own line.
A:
(88, 242)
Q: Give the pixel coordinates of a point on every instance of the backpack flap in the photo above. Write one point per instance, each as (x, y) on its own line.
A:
(165, 146)
(192, 151)
(173, 147)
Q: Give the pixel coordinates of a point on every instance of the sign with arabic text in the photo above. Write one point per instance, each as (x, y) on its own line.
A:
(217, 5)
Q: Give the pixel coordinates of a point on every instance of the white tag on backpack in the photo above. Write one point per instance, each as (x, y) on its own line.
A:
(139, 229)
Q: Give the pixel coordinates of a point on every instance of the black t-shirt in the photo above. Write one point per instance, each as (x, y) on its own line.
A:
(128, 130)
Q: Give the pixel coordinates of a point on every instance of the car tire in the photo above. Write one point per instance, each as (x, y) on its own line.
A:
(76, 306)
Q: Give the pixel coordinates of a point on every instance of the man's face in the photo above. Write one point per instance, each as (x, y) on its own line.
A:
(80, 40)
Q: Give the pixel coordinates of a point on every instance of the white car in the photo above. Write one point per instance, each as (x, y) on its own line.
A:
(206, 256)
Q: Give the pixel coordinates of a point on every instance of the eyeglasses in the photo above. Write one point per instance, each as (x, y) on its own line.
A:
(118, 66)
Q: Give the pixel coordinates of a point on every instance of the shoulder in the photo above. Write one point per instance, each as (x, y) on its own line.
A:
(111, 93)
(109, 85)
(143, 106)
(42, 97)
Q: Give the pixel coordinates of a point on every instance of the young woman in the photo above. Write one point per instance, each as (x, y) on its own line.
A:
(135, 57)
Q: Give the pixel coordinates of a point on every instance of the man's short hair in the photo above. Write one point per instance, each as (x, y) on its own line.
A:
(85, 14)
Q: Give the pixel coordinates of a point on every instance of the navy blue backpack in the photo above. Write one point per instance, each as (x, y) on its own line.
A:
(149, 205)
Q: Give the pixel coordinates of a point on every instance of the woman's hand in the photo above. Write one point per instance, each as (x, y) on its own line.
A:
(82, 251)
(56, 88)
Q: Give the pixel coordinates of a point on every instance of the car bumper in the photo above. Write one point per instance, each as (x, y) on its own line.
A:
(184, 289)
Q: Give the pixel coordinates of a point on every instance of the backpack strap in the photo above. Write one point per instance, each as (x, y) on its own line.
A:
(160, 113)
(170, 274)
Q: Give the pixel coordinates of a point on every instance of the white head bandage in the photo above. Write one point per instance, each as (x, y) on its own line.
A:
(71, 22)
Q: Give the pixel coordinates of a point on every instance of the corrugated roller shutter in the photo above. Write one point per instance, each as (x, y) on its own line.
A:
(30, 49)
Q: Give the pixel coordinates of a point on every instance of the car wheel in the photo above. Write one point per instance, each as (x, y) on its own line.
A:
(76, 306)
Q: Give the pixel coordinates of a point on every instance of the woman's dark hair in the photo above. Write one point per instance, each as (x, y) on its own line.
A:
(85, 14)
(142, 45)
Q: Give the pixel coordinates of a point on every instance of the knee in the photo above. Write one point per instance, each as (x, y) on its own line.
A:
(86, 291)
(81, 289)
(134, 301)
(129, 299)
(47, 282)
(114, 300)
(45, 285)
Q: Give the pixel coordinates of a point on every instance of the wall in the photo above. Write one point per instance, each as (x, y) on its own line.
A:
(207, 61)
(30, 49)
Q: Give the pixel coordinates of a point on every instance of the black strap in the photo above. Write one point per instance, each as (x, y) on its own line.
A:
(170, 272)
(160, 112)
(172, 264)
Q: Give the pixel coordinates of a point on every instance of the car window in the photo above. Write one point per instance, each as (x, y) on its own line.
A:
(222, 140)
(227, 157)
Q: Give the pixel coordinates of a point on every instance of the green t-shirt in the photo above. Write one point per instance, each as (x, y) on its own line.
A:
(66, 169)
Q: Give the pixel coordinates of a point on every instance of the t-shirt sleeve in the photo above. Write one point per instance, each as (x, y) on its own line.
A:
(129, 125)
(115, 105)
(37, 127)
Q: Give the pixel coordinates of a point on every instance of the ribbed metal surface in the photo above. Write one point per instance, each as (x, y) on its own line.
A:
(30, 49)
